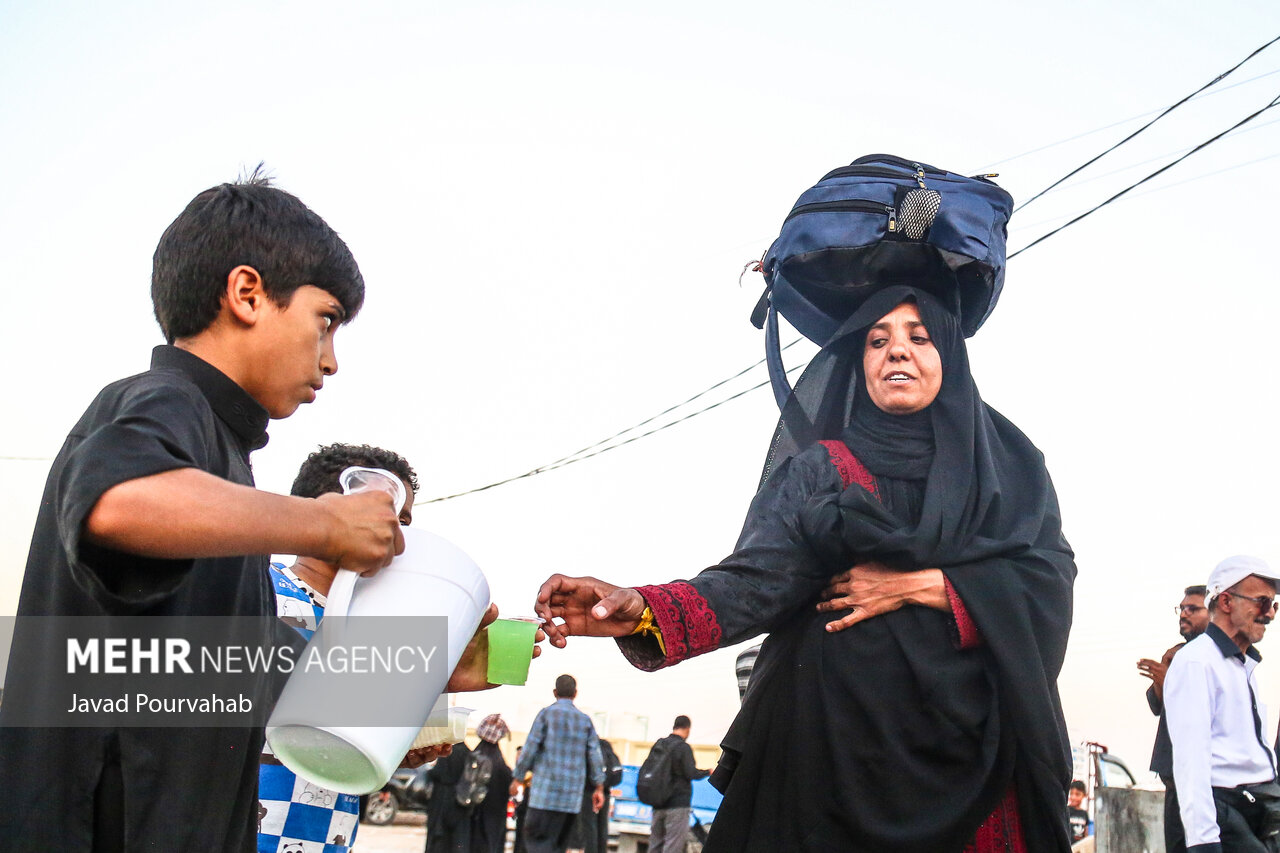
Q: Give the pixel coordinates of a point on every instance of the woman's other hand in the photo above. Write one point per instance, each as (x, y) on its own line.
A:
(589, 608)
(872, 588)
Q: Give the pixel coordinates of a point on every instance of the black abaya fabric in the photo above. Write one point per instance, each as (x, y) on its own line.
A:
(887, 736)
(489, 819)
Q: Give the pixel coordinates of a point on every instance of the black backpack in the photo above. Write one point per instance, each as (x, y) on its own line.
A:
(656, 781)
(612, 765)
(473, 785)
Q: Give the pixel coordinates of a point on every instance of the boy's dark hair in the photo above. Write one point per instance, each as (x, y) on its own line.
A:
(1196, 589)
(255, 224)
(682, 722)
(1077, 785)
(319, 474)
(566, 687)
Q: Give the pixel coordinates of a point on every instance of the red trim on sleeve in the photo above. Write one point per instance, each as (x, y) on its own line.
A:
(970, 637)
(687, 622)
(850, 467)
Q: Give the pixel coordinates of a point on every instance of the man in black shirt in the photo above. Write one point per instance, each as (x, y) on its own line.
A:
(1193, 619)
(670, 824)
(150, 511)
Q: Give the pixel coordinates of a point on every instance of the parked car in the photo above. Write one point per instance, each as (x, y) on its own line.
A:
(406, 791)
(629, 818)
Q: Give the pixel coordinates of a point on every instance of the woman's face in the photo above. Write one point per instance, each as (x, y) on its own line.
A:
(903, 369)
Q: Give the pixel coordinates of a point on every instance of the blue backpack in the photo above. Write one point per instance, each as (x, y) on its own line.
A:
(882, 220)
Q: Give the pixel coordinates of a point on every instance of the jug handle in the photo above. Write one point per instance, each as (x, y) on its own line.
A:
(360, 479)
(340, 592)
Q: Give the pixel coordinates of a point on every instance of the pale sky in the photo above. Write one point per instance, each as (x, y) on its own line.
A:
(551, 204)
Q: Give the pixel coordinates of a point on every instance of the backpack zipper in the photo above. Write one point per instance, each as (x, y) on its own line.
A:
(863, 172)
(848, 206)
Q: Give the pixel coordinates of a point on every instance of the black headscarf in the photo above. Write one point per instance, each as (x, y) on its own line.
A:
(986, 514)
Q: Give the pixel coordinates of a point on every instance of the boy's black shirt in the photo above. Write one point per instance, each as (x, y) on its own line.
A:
(189, 789)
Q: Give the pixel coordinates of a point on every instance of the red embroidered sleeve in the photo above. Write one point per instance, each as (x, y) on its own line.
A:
(970, 637)
(687, 622)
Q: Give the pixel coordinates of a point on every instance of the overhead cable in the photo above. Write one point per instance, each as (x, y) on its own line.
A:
(1161, 188)
(1154, 174)
(1121, 122)
(1168, 110)
(1160, 156)
(603, 445)
(569, 460)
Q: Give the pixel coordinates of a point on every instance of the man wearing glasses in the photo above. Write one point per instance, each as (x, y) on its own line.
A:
(1223, 767)
(1193, 618)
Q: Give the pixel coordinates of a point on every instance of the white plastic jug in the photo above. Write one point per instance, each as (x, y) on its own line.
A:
(432, 578)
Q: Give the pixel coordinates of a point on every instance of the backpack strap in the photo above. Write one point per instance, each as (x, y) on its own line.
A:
(850, 467)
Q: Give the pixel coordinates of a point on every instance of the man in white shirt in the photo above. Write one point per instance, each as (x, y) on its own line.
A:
(1223, 765)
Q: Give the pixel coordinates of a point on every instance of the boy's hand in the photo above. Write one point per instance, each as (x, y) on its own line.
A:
(472, 671)
(415, 758)
(364, 531)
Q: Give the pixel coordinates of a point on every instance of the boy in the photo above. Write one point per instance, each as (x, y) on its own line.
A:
(1076, 813)
(292, 810)
(150, 510)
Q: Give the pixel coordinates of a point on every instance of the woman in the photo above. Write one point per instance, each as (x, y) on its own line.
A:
(489, 819)
(926, 716)
(448, 823)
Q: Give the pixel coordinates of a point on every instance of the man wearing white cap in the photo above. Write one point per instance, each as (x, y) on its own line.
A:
(1223, 767)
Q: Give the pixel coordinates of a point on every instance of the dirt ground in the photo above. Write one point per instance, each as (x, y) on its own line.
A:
(407, 834)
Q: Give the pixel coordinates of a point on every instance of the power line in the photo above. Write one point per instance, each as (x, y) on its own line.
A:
(572, 458)
(1160, 188)
(1157, 172)
(1128, 138)
(603, 445)
(1119, 123)
(1161, 156)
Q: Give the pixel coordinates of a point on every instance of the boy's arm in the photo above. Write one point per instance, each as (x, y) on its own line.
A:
(189, 513)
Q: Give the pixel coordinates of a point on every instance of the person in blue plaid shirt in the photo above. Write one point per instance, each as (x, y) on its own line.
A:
(563, 753)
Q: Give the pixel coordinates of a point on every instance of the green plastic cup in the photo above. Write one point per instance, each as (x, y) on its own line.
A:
(511, 649)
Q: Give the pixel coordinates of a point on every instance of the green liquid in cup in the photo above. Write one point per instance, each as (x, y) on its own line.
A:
(510, 650)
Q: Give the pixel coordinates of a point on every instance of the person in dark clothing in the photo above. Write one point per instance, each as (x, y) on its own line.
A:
(926, 718)
(1193, 619)
(592, 830)
(520, 787)
(489, 819)
(150, 510)
(671, 819)
(448, 824)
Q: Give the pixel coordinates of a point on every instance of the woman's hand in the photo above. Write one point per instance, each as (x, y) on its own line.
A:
(872, 588)
(589, 608)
